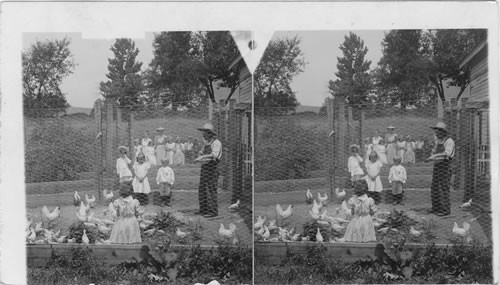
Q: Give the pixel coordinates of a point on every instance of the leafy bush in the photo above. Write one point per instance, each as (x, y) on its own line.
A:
(76, 232)
(57, 152)
(287, 150)
(311, 229)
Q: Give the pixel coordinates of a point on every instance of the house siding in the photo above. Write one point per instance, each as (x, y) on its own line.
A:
(479, 81)
(245, 92)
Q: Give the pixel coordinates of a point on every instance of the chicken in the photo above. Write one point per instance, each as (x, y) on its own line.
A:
(85, 238)
(467, 204)
(107, 196)
(266, 233)
(324, 215)
(383, 230)
(260, 232)
(314, 214)
(272, 225)
(295, 237)
(315, 208)
(51, 216)
(180, 233)
(309, 197)
(325, 223)
(414, 232)
(32, 236)
(337, 227)
(28, 223)
(150, 232)
(284, 214)
(90, 201)
(340, 194)
(322, 198)
(71, 240)
(103, 229)
(61, 239)
(38, 227)
(227, 233)
(235, 205)
(76, 199)
(319, 237)
(461, 231)
(90, 225)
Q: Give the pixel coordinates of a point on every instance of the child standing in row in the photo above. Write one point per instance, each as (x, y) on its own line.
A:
(141, 183)
(397, 177)
(122, 168)
(361, 227)
(354, 163)
(126, 229)
(373, 167)
(165, 179)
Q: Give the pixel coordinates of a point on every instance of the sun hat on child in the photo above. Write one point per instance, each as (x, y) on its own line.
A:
(122, 147)
(440, 126)
(207, 127)
(354, 146)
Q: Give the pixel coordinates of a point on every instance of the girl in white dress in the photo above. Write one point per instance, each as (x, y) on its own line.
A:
(409, 153)
(170, 145)
(381, 152)
(179, 158)
(160, 148)
(140, 182)
(361, 227)
(401, 148)
(145, 139)
(122, 165)
(126, 229)
(354, 163)
(149, 152)
(373, 167)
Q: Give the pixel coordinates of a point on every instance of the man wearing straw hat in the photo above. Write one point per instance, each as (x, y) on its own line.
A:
(442, 155)
(209, 157)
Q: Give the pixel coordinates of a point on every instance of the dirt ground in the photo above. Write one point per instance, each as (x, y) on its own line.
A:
(416, 204)
(184, 204)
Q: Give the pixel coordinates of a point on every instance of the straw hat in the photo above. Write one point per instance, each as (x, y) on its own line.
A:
(122, 147)
(160, 129)
(391, 127)
(208, 127)
(440, 126)
(354, 146)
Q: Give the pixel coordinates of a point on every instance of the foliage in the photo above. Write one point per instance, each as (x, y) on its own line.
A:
(353, 78)
(124, 83)
(76, 232)
(282, 61)
(57, 152)
(310, 229)
(402, 75)
(45, 65)
(281, 137)
(445, 49)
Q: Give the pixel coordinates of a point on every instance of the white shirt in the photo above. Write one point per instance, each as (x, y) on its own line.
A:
(122, 167)
(397, 173)
(216, 146)
(449, 147)
(165, 174)
(354, 166)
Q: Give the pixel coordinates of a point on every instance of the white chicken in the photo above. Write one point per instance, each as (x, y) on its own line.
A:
(28, 223)
(323, 199)
(319, 237)
(103, 229)
(90, 201)
(324, 215)
(340, 194)
(38, 227)
(260, 222)
(466, 204)
(260, 231)
(266, 233)
(180, 233)
(107, 195)
(284, 214)
(414, 232)
(235, 205)
(314, 214)
(309, 197)
(272, 225)
(32, 236)
(337, 227)
(461, 231)
(76, 199)
(51, 216)
(227, 233)
(295, 237)
(315, 208)
(150, 232)
(85, 238)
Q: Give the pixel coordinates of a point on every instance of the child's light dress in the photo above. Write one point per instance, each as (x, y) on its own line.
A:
(141, 171)
(373, 169)
(150, 155)
(122, 169)
(409, 154)
(361, 227)
(401, 148)
(126, 228)
(354, 167)
(179, 158)
(381, 152)
(170, 152)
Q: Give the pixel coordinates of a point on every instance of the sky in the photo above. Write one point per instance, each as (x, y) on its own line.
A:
(320, 49)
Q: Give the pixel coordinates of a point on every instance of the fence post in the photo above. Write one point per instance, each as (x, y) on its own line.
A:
(98, 145)
(130, 136)
(330, 108)
(361, 128)
(341, 149)
(453, 124)
(462, 143)
(109, 137)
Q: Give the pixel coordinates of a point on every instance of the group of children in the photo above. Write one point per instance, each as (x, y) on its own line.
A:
(373, 165)
(139, 179)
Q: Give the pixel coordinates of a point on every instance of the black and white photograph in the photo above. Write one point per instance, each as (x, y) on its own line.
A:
(240, 142)
(373, 144)
(134, 144)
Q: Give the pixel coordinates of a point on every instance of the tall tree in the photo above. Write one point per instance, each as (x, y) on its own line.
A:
(173, 75)
(353, 77)
(124, 83)
(445, 49)
(282, 61)
(403, 68)
(45, 65)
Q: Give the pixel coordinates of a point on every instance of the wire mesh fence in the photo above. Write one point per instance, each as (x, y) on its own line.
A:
(81, 168)
(422, 180)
